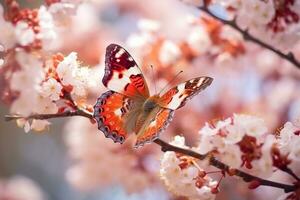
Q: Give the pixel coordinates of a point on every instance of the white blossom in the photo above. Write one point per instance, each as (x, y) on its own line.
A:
(148, 25)
(39, 125)
(66, 68)
(263, 166)
(27, 127)
(45, 105)
(289, 141)
(235, 134)
(199, 40)
(47, 29)
(24, 33)
(81, 81)
(182, 181)
(295, 150)
(169, 53)
(23, 105)
(287, 134)
(254, 13)
(232, 156)
(7, 35)
(63, 10)
(51, 88)
(253, 126)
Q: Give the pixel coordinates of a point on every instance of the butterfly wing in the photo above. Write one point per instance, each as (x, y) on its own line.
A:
(114, 113)
(153, 127)
(177, 96)
(122, 74)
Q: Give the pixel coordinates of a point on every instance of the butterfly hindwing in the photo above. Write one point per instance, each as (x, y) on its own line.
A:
(177, 96)
(122, 73)
(109, 111)
(154, 127)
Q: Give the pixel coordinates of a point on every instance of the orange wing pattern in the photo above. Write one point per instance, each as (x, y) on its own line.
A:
(122, 74)
(152, 130)
(109, 112)
(177, 96)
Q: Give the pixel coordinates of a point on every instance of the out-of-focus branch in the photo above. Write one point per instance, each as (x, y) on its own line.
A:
(247, 36)
(168, 147)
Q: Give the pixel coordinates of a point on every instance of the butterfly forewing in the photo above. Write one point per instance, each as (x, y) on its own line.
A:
(122, 74)
(177, 96)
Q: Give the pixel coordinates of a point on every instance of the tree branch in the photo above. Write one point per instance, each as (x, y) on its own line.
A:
(291, 173)
(69, 113)
(218, 164)
(168, 147)
(247, 36)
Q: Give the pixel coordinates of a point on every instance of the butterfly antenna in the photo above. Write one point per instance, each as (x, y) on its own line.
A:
(173, 79)
(153, 78)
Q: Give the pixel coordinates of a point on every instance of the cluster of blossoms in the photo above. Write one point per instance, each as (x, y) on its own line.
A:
(34, 29)
(51, 87)
(275, 19)
(184, 177)
(205, 37)
(241, 142)
(289, 141)
(26, 28)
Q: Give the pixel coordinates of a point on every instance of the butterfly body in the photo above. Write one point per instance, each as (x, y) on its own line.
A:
(128, 107)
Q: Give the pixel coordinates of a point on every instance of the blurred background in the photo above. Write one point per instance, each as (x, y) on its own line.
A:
(73, 160)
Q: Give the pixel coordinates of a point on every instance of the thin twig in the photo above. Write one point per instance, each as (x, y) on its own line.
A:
(247, 36)
(168, 147)
(291, 173)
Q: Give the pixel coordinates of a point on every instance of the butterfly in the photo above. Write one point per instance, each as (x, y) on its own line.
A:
(128, 107)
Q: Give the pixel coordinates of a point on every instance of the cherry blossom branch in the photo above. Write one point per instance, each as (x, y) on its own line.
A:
(218, 164)
(247, 36)
(69, 113)
(168, 147)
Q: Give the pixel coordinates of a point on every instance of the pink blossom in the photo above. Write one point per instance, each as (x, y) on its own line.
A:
(51, 88)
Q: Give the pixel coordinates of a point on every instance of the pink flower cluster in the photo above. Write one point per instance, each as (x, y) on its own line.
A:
(242, 142)
(51, 87)
(270, 20)
(183, 176)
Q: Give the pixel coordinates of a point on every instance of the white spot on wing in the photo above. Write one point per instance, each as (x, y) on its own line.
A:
(153, 123)
(200, 82)
(176, 100)
(120, 53)
(132, 71)
(118, 112)
(117, 84)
